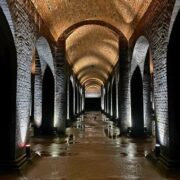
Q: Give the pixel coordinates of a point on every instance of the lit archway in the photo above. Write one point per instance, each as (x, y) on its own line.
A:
(42, 58)
(141, 59)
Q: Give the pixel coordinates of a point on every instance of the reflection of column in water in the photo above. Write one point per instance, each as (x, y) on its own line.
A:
(82, 117)
(138, 170)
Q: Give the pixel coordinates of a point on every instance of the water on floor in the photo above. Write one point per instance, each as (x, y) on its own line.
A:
(92, 150)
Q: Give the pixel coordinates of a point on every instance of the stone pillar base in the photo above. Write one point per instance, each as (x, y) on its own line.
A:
(164, 164)
(169, 163)
(14, 165)
(136, 133)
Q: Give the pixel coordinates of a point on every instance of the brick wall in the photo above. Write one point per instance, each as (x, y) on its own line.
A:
(38, 90)
(155, 27)
(24, 39)
(61, 89)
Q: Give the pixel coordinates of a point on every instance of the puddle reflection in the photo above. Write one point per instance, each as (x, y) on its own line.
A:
(111, 130)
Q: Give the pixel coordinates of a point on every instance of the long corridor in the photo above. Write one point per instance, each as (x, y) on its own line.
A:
(92, 149)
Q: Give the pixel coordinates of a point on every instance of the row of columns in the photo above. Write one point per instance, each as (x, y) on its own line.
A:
(75, 99)
(139, 108)
(67, 95)
(109, 98)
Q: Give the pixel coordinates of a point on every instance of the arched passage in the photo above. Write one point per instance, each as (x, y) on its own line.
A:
(141, 58)
(42, 58)
(92, 51)
(48, 102)
(173, 57)
(137, 103)
(8, 64)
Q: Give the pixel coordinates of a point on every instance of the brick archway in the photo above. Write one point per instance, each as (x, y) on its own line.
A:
(43, 58)
(141, 59)
(72, 28)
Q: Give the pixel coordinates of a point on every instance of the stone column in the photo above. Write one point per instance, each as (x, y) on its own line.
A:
(105, 100)
(60, 89)
(117, 96)
(124, 90)
(68, 98)
(111, 99)
(83, 100)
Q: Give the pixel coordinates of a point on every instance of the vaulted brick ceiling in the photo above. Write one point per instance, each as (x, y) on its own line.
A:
(92, 50)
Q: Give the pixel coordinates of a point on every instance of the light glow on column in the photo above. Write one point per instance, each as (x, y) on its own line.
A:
(129, 116)
(117, 100)
(56, 114)
(102, 98)
(111, 100)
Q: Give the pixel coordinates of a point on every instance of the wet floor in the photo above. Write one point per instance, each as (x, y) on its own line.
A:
(91, 150)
